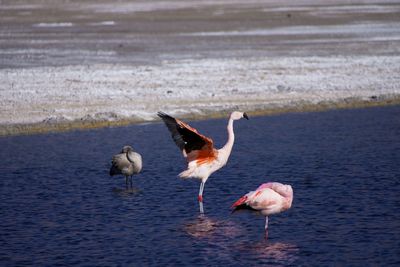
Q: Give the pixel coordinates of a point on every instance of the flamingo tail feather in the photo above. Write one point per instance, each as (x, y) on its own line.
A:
(239, 202)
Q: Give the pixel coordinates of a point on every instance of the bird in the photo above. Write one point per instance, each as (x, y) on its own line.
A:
(127, 162)
(269, 198)
(198, 150)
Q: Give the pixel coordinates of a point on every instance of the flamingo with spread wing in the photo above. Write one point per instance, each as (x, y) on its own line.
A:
(203, 159)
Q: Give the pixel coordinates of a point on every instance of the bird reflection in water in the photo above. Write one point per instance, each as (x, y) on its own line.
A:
(125, 192)
(224, 235)
(205, 227)
(279, 252)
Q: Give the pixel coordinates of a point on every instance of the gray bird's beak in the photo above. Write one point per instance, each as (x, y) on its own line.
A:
(245, 116)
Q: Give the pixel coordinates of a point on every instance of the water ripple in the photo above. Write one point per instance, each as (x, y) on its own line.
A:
(59, 207)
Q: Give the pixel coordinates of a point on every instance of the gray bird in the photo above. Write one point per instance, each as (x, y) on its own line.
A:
(127, 163)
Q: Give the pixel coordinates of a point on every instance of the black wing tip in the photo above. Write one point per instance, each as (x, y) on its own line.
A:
(236, 209)
(163, 115)
(166, 118)
(242, 208)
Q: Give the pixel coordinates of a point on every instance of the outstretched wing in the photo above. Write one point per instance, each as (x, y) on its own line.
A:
(194, 144)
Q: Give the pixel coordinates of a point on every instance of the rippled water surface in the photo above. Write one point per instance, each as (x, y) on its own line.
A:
(59, 207)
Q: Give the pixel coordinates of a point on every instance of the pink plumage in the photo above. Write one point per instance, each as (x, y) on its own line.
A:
(203, 159)
(269, 198)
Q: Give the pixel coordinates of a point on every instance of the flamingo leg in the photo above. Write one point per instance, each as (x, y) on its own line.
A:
(201, 197)
(201, 192)
(266, 227)
(126, 182)
(201, 208)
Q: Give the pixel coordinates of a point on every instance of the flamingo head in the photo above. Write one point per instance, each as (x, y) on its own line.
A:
(126, 149)
(237, 115)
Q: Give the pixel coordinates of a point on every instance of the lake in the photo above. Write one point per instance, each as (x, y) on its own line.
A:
(59, 207)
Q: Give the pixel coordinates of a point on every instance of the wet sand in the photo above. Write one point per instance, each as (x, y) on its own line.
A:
(84, 64)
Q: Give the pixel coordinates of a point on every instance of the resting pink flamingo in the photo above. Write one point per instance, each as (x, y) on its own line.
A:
(269, 198)
(203, 159)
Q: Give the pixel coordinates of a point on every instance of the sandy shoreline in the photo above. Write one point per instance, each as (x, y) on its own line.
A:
(84, 64)
(63, 126)
(93, 95)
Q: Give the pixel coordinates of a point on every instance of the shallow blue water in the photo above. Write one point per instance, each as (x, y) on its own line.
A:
(59, 207)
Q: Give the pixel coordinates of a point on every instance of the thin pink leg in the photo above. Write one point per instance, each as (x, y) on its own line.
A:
(266, 227)
(201, 192)
(201, 198)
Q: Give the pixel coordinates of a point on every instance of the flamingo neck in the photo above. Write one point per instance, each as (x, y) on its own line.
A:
(231, 138)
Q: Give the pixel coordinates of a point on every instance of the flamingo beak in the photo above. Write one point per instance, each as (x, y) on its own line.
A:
(245, 116)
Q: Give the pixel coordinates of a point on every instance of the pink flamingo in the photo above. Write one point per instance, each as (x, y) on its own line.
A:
(269, 198)
(203, 159)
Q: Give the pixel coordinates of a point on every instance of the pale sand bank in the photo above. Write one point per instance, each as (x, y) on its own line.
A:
(59, 98)
(81, 64)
